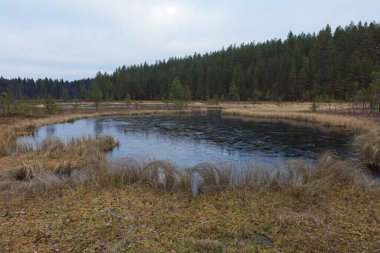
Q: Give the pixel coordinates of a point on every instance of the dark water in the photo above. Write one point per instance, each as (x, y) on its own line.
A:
(190, 139)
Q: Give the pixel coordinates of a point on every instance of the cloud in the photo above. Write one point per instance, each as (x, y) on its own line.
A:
(75, 38)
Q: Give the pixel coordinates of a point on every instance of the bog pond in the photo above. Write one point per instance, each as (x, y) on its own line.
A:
(187, 140)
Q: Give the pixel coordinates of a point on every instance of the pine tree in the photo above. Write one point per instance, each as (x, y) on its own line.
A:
(234, 92)
(96, 96)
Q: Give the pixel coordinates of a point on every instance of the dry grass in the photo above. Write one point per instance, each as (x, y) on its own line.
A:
(298, 178)
(20, 126)
(110, 206)
(290, 111)
(87, 154)
(113, 204)
(133, 218)
(104, 206)
(369, 145)
(49, 168)
(206, 245)
(29, 181)
(305, 182)
(54, 148)
(273, 111)
(300, 112)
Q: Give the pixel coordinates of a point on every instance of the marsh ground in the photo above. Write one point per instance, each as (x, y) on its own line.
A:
(136, 217)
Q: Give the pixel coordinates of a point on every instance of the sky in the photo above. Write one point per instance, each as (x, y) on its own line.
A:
(74, 39)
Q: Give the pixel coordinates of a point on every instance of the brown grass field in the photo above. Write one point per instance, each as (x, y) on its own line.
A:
(46, 205)
(337, 116)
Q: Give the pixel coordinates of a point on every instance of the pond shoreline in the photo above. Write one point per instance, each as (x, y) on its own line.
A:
(134, 211)
(292, 113)
(190, 139)
(21, 127)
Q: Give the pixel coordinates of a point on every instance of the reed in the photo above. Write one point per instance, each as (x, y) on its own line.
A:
(87, 155)
(11, 129)
(210, 177)
(54, 147)
(136, 205)
(298, 175)
(8, 139)
(298, 178)
(28, 181)
(369, 146)
(352, 123)
(51, 148)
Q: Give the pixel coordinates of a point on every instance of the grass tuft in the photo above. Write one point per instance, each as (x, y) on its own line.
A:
(29, 180)
(369, 145)
(298, 178)
(301, 179)
(206, 245)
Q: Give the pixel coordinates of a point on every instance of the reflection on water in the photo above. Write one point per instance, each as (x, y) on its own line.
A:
(50, 130)
(190, 139)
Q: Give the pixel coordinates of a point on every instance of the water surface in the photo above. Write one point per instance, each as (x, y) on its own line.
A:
(189, 139)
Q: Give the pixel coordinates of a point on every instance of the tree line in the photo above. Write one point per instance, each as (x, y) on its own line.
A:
(328, 65)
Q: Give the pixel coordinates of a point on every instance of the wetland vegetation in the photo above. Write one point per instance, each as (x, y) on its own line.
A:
(59, 188)
(290, 163)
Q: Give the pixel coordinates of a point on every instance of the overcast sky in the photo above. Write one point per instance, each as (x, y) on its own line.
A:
(73, 39)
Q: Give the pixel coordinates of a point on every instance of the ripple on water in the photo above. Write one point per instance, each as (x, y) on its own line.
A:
(190, 139)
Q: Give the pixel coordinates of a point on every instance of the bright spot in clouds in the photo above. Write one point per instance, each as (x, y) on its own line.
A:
(161, 14)
(171, 10)
(73, 39)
